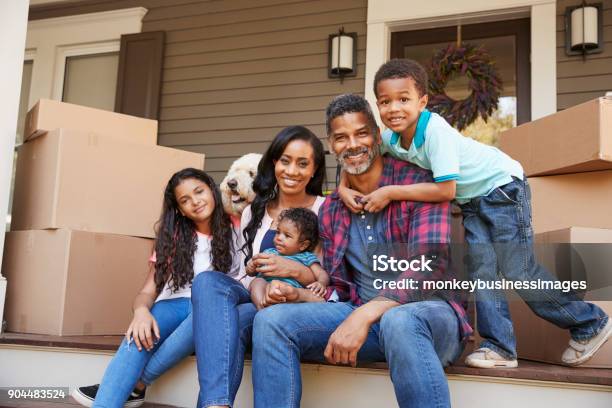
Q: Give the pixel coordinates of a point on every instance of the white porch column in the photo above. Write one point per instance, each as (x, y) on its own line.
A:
(543, 60)
(13, 28)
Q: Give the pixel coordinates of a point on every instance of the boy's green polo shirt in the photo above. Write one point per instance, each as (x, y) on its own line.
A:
(437, 146)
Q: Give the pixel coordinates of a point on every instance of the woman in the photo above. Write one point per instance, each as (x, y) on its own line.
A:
(290, 174)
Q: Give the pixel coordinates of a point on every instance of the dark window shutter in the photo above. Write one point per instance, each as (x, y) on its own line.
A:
(139, 75)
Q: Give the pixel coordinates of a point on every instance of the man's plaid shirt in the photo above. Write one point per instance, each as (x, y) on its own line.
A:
(417, 225)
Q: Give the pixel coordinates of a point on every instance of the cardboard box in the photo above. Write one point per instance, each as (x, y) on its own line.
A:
(66, 282)
(540, 340)
(563, 201)
(67, 179)
(48, 115)
(574, 140)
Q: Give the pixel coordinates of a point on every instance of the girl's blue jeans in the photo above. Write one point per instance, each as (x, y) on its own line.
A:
(499, 235)
(129, 365)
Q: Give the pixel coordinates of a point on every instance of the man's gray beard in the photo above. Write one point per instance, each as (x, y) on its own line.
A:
(362, 168)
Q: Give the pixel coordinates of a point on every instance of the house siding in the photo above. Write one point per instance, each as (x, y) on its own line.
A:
(237, 71)
(577, 80)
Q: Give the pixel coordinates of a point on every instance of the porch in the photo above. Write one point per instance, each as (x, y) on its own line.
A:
(31, 360)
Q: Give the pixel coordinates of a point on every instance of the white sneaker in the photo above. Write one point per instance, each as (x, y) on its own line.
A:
(484, 357)
(581, 351)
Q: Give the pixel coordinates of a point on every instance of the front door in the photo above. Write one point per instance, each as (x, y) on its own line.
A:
(508, 44)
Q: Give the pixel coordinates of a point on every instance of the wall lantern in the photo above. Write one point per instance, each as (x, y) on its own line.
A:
(342, 55)
(583, 29)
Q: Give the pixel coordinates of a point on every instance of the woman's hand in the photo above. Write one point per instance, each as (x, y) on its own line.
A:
(276, 266)
(251, 268)
(280, 292)
(142, 328)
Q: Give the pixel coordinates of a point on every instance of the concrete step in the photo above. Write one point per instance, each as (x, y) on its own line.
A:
(71, 362)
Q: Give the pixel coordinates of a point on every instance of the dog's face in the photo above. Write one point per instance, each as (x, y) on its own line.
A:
(237, 186)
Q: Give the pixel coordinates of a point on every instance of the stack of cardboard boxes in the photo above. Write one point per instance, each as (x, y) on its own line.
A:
(88, 191)
(567, 157)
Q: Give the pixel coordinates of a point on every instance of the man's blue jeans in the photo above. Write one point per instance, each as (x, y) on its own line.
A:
(416, 339)
(500, 243)
(222, 323)
(129, 365)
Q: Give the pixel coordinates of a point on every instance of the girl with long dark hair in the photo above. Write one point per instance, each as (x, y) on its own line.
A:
(290, 174)
(194, 235)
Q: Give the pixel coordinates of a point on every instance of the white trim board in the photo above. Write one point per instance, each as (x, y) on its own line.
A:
(387, 16)
(50, 41)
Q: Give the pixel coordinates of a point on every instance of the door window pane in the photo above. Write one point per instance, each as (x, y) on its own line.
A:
(91, 80)
(502, 50)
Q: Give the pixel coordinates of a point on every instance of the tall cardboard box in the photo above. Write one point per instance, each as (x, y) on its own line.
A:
(64, 282)
(574, 140)
(70, 179)
(47, 115)
(540, 340)
(563, 201)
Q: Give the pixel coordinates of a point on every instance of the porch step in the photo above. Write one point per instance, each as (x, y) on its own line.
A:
(70, 403)
(29, 360)
(527, 370)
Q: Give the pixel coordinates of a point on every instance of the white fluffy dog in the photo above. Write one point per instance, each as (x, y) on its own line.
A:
(237, 186)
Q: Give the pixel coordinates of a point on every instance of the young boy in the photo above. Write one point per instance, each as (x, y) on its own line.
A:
(296, 237)
(494, 197)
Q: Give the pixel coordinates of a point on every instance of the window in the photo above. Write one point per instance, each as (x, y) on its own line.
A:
(91, 80)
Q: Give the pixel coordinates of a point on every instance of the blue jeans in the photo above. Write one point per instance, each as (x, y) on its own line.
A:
(222, 324)
(129, 365)
(500, 240)
(416, 339)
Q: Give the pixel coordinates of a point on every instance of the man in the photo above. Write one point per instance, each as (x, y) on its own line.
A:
(363, 322)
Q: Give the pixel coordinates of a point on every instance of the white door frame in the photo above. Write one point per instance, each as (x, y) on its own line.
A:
(13, 28)
(387, 16)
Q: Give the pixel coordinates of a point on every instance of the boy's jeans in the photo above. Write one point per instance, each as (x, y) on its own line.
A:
(417, 340)
(500, 239)
(129, 365)
(222, 323)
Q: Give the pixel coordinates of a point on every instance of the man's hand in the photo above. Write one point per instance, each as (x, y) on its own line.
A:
(377, 199)
(346, 341)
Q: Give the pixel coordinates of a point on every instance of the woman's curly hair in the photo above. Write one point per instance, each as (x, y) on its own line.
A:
(176, 238)
(306, 222)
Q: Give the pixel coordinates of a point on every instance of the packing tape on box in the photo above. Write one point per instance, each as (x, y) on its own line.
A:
(92, 139)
